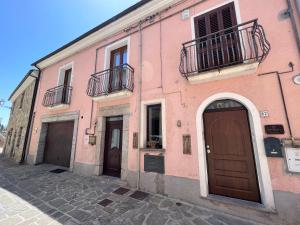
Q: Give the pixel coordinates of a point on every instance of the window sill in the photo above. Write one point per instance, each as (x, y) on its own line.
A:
(159, 150)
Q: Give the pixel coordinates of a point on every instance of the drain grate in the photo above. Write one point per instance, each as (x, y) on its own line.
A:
(178, 204)
(105, 202)
(139, 195)
(57, 171)
(121, 191)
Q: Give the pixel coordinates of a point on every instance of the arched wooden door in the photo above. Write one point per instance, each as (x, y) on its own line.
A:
(230, 158)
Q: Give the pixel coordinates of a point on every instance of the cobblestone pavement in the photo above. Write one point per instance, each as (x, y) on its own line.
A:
(31, 195)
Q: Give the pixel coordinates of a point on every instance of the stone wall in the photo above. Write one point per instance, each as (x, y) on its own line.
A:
(2, 141)
(19, 117)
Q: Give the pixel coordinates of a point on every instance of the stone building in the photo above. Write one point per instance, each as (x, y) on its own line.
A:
(18, 128)
(182, 98)
(2, 142)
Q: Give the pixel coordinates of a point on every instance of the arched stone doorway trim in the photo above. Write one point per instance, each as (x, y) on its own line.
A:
(261, 161)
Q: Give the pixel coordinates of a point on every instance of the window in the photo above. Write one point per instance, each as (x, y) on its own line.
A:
(115, 139)
(118, 58)
(123, 45)
(10, 135)
(19, 136)
(216, 47)
(22, 99)
(64, 89)
(14, 138)
(66, 85)
(13, 108)
(154, 126)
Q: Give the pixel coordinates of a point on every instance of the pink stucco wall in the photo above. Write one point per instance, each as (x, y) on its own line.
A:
(161, 79)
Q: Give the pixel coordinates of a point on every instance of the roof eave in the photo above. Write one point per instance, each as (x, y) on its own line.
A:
(97, 28)
(29, 74)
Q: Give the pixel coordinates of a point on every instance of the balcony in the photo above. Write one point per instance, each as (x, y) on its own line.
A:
(114, 83)
(58, 97)
(234, 51)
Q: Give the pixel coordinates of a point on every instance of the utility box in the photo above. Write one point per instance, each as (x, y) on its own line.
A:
(293, 159)
(273, 147)
(154, 163)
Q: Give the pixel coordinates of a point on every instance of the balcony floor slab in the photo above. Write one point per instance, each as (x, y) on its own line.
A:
(59, 107)
(113, 96)
(224, 73)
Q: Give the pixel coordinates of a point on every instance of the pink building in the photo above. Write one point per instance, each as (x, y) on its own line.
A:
(197, 100)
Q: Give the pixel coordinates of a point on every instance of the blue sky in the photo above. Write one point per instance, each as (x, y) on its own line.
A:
(33, 28)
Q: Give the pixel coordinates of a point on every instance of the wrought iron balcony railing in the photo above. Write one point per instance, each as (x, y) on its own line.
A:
(243, 43)
(60, 95)
(111, 80)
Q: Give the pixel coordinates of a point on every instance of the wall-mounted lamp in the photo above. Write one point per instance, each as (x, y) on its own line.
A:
(92, 139)
(296, 79)
(178, 123)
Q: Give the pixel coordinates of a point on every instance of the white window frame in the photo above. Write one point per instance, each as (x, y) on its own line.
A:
(62, 70)
(118, 44)
(144, 104)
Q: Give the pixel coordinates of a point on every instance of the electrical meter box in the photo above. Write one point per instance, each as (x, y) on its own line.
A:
(293, 159)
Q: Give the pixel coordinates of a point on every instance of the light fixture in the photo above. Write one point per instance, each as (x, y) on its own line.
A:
(92, 139)
(297, 79)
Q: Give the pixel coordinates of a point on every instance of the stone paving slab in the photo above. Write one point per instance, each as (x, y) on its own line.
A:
(31, 195)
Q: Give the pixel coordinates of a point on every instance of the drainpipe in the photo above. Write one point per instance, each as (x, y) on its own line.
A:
(291, 14)
(139, 105)
(30, 121)
(87, 130)
(278, 74)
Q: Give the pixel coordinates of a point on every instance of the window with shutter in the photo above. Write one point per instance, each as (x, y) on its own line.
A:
(22, 100)
(217, 47)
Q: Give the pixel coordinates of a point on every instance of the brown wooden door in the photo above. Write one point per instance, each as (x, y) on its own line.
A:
(113, 147)
(230, 159)
(59, 143)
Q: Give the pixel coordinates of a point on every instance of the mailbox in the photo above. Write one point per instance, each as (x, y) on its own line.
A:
(293, 159)
(273, 147)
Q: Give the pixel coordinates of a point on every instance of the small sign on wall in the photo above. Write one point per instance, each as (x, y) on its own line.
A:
(274, 129)
(264, 114)
(185, 14)
(187, 149)
(135, 141)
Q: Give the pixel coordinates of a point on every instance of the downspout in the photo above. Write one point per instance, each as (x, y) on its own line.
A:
(139, 105)
(291, 14)
(88, 130)
(278, 74)
(30, 122)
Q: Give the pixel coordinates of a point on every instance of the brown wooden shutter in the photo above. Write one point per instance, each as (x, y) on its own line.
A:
(215, 20)
(200, 29)
(218, 49)
(228, 16)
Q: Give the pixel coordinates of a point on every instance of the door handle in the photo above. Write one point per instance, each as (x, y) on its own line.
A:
(208, 149)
